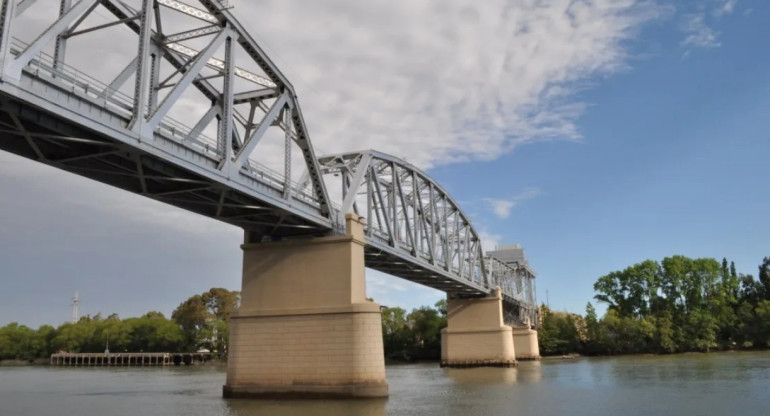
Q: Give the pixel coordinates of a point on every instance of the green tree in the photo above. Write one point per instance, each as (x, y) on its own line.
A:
(18, 342)
(413, 336)
(632, 291)
(204, 319)
(425, 326)
(764, 277)
(762, 335)
(395, 333)
(560, 332)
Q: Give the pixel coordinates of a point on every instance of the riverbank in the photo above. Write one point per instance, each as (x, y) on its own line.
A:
(21, 363)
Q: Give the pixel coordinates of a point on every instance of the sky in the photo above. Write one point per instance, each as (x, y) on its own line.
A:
(597, 134)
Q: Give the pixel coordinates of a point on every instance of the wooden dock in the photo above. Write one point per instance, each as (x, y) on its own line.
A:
(127, 359)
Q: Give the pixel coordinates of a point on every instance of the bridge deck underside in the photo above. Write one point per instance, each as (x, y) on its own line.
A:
(381, 259)
(40, 135)
(384, 259)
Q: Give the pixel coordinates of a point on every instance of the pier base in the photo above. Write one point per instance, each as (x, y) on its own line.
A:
(525, 343)
(305, 328)
(475, 335)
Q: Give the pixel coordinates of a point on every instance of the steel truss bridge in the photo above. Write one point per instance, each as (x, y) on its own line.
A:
(178, 115)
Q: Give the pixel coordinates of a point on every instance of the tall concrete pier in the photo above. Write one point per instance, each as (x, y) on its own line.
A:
(475, 334)
(525, 343)
(305, 328)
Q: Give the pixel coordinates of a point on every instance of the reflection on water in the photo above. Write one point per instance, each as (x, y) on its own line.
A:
(482, 375)
(528, 372)
(242, 407)
(696, 384)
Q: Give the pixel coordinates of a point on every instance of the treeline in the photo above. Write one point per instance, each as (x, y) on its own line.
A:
(416, 335)
(199, 322)
(676, 305)
(202, 321)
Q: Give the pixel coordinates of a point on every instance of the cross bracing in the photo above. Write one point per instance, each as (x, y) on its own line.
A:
(133, 127)
(414, 228)
(177, 102)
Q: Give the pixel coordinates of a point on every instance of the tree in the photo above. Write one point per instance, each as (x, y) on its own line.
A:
(191, 316)
(632, 291)
(395, 334)
(560, 332)
(75, 337)
(18, 342)
(204, 319)
(764, 277)
(425, 325)
(762, 311)
(700, 331)
(413, 336)
(441, 307)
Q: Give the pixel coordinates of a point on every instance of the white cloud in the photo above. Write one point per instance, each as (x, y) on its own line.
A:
(441, 81)
(489, 240)
(698, 33)
(725, 7)
(435, 82)
(502, 207)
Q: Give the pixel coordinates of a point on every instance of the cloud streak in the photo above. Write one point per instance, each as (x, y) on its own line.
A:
(698, 33)
(725, 7)
(441, 82)
(502, 207)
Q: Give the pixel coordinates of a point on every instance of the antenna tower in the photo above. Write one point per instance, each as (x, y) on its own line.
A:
(75, 302)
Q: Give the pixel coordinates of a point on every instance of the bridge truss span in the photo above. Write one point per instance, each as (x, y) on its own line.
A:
(107, 89)
(415, 230)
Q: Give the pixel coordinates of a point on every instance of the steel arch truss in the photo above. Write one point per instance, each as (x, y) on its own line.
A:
(181, 51)
(415, 230)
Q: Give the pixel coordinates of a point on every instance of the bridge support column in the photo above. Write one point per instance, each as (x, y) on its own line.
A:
(475, 335)
(525, 343)
(304, 327)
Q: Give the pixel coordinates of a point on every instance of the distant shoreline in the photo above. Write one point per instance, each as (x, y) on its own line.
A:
(22, 363)
(45, 362)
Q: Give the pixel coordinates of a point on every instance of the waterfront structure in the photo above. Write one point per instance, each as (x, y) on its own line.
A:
(126, 359)
(303, 254)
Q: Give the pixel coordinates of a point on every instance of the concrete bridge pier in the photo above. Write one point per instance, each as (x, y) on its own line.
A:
(475, 335)
(525, 343)
(305, 328)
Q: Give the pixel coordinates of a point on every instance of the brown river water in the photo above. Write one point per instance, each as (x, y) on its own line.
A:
(691, 384)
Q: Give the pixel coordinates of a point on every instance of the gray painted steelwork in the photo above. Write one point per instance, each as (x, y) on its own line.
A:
(417, 231)
(122, 136)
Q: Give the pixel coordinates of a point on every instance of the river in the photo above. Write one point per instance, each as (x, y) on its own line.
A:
(691, 384)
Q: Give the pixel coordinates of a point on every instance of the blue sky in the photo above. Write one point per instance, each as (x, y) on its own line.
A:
(656, 142)
(674, 159)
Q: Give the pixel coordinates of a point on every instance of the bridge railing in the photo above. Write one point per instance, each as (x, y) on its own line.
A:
(206, 78)
(86, 86)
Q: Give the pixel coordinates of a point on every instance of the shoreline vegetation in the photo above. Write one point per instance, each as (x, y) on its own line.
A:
(198, 323)
(678, 305)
